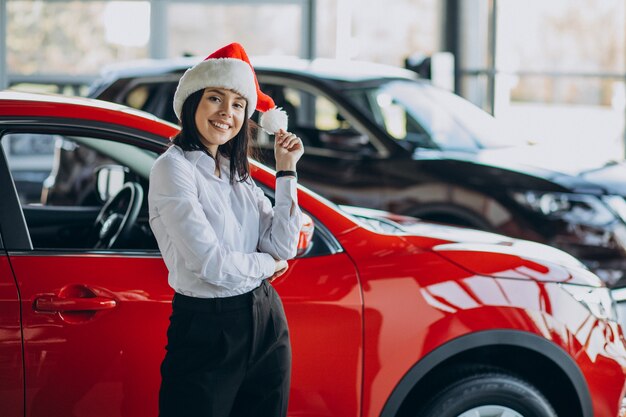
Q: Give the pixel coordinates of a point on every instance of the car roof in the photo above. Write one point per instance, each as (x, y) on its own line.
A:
(15, 103)
(330, 69)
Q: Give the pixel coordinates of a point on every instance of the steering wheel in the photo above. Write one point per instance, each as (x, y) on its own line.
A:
(118, 216)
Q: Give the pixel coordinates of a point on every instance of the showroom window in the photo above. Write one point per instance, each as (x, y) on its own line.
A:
(354, 29)
(553, 71)
(199, 28)
(71, 38)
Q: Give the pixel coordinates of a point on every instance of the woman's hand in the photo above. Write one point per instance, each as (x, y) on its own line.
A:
(287, 150)
(279, 269)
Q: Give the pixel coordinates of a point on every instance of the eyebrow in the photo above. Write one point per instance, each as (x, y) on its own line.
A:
(239, 96)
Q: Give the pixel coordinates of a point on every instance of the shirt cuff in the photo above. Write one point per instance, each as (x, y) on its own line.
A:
(286, 191)
(268, 265)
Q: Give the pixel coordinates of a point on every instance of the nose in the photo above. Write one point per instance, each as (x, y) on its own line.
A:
(226, 109)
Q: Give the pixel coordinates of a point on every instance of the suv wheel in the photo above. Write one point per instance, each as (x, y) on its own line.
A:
(492, 394)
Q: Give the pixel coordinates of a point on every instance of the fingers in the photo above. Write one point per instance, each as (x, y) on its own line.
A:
(293, 143)
(281, 265)
(280, 268)
(287, 140)
(277, 274)
(282, 137)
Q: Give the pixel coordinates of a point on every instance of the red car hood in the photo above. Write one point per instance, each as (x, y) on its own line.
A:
(489, 254)
(499, 256)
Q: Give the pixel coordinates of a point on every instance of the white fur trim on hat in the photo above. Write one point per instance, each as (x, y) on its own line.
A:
(273, 120)
(231, 73)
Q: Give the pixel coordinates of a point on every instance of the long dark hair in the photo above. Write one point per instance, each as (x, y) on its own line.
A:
(237, 149)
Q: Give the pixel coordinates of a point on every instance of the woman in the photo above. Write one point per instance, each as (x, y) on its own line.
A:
(228, 350)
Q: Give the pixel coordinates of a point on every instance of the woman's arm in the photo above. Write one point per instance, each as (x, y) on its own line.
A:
(280, 227)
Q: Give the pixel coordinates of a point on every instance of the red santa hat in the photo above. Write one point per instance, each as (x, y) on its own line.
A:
(229, 67)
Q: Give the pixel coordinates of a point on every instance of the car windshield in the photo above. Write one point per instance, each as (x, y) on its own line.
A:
(429, 117)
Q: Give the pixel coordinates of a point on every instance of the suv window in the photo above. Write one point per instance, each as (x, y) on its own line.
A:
(411, 113)
(316, 120)
(140, 96)
(153, 97)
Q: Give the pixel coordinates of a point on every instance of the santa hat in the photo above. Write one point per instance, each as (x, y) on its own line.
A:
(229, 67)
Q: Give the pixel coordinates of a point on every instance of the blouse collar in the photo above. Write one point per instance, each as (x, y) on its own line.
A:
(208, 164)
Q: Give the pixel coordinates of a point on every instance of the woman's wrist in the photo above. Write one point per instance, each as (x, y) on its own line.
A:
(282, 166)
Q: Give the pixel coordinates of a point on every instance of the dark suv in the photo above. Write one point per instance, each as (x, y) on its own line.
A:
(378, 137)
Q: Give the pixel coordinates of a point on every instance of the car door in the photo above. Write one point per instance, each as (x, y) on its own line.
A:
(324, 307)
(11, 359)
(95, 320)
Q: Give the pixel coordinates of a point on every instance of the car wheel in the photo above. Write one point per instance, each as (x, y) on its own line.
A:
(491, 394)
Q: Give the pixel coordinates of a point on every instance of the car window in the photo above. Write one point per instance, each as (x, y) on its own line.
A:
(489, 132)
(392, 116)
(142, 96)
(153, 97)
(166, 110)
(60, 180)
(138, 96)
(61, 171)
(56, 178)
(30, 158)
(409, 113)
(317, 121)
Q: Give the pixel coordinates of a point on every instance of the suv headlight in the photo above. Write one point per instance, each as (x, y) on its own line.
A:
(583, 209)
(597, 300)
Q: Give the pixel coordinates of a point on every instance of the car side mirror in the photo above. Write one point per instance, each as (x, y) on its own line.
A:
(306, 235)
(110, 180)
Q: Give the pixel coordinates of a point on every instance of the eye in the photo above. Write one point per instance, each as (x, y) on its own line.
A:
(239, 105)
(214, 99)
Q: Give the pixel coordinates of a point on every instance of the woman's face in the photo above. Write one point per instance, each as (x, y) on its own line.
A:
(219, 116)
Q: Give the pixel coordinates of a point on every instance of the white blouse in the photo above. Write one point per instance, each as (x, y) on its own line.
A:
(218, 239)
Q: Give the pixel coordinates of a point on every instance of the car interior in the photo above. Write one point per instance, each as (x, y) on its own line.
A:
(71, 209)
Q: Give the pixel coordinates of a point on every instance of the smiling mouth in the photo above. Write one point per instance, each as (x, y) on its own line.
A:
(222, 126)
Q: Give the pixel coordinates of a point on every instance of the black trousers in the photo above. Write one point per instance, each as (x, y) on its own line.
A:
(227, 357)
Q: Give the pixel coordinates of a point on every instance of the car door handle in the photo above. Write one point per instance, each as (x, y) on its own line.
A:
(58, 304)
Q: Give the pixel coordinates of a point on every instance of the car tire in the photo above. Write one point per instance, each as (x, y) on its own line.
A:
(492, 394)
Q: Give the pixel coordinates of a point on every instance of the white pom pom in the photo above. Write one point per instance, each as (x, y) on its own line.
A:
(273, 120)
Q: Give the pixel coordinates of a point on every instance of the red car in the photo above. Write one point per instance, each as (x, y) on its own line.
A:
(386, 319)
